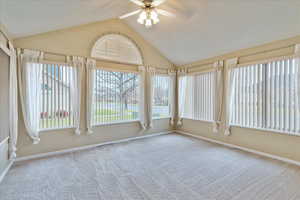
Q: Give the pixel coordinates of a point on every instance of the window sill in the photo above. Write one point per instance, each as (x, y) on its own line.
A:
(268, 130)
(116, 123)
(200, 120)
(158, 118)
(55, 129)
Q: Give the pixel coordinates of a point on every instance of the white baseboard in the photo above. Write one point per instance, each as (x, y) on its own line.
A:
(240, 148)
(2, 175)
(42, 155)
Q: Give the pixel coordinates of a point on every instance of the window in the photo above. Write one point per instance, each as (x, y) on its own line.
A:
(115, 97)
(55, 98)
(161, 96)
(116, 47)
(265, 96)
(199, 96)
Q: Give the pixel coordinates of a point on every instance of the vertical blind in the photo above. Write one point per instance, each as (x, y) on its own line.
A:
(266, 96)
(161, 96)
(115, 97)
(55, 98)
(200, 95)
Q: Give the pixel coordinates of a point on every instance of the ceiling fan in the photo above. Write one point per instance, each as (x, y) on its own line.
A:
(148, 12)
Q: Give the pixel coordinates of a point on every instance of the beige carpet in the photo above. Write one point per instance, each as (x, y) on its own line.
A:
(158, 168)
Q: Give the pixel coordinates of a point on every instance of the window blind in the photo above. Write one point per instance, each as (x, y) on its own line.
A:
(161, 96)
(116, 47)
(115, 97)
(55, 98)
(200, 94)
(266, 96)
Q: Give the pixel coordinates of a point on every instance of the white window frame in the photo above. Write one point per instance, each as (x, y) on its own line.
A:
(264, 106)
(42, 130)
(97, 124)
(169, 97)
(212, 93)
(116, 47)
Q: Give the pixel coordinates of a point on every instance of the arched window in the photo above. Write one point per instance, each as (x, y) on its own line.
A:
(116, 47)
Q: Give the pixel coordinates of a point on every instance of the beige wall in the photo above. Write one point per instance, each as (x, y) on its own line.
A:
(4, 98)
(264, 141)
(79, 41)
(4, 109)
(4, 88)
(4, 160)
(264, 51)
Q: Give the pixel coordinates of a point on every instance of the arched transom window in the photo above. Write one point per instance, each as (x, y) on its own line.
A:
(116, 47)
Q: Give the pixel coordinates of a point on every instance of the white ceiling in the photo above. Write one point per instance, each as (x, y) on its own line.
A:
(202, 29)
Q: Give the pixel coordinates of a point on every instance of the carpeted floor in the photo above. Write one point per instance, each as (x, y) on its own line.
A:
(158, 168)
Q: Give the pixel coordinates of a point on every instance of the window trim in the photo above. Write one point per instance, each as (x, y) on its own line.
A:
(156, 118)
(200, 120)
(56, 129)
(267, 130)
(116, 123)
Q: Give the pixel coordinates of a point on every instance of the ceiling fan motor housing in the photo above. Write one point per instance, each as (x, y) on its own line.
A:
(148, 3)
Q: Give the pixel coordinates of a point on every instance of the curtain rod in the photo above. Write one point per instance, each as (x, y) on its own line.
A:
(266, 51)
(242, 56)
(264, 61)
(201, 65)
(99, 60)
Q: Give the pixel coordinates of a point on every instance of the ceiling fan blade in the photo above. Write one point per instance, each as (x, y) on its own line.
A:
(185, 9)
(130, 14)
(165, 13)
(156, 3)
(137, 2)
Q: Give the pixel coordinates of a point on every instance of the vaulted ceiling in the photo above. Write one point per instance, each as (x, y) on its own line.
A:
(202, 28)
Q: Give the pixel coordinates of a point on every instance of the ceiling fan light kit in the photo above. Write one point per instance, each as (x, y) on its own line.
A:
(148, 17)
(148, 14)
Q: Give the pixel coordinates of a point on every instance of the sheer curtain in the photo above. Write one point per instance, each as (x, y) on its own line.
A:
(30, 72)
(230, 64)
(182, 86)
(172, 95)
(297, 66)
(90, 70)
(150, 71)
(142, 106)
(13, 103)
(218, 100)
(75, 83)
